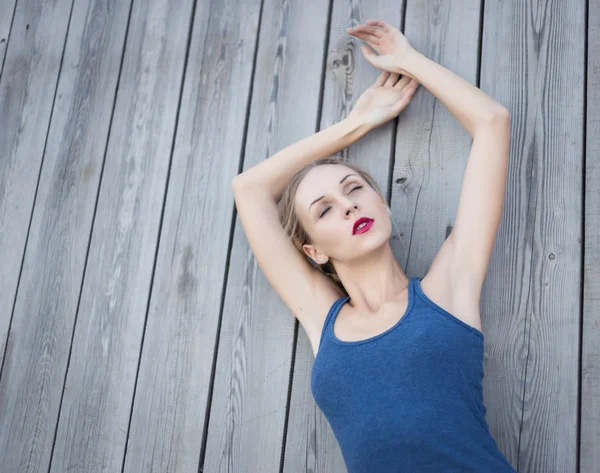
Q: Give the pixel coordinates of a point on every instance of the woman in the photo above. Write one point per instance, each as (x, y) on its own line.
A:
(399, 361)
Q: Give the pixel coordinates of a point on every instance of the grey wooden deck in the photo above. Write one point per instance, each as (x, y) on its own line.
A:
(138, 333)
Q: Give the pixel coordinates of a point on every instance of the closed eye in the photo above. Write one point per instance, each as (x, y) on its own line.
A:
(325, 211)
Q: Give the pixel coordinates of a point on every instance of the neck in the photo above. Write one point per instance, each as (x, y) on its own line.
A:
(373, 280)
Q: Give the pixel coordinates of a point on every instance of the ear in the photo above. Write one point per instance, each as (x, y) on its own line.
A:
(313, 253)
(385, 204)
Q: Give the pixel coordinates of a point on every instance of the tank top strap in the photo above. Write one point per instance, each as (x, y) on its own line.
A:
(333, 310)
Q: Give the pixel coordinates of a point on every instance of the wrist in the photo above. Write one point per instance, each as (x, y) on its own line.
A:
(355, 126)
(409, 63)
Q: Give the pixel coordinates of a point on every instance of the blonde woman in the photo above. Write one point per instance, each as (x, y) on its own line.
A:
(398, 366)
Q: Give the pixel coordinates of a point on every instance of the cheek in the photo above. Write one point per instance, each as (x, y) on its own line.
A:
(335, 235)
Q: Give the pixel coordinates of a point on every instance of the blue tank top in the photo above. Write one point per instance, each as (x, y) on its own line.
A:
(411, 398)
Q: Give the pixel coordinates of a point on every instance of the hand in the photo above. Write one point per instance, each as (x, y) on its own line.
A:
(384, 100)
(389, 42)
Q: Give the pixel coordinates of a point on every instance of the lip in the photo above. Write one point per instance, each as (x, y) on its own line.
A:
(369, 224)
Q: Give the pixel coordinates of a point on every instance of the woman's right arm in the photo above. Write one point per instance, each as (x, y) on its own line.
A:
(305, 290)
(272, 175)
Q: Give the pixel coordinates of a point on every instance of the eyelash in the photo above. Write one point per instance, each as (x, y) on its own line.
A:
(325, 211)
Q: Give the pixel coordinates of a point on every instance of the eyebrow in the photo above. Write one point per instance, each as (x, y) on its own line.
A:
(319, 198)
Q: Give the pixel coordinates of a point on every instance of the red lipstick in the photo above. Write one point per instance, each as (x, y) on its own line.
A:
(364, 223)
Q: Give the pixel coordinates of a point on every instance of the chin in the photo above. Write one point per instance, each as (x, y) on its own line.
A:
(381, 233)
(376, 239)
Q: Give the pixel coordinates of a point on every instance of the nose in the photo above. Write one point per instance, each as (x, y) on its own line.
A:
(349, 207)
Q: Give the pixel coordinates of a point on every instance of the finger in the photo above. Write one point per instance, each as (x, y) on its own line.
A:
(369, 55)
(381, 79)
(369, 30)
(391, 80)
(382, 24)
(366, 37)
(402, 83)
(411, 89)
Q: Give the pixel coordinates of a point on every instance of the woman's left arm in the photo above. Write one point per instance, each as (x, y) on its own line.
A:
(466, 253)
(481, 201)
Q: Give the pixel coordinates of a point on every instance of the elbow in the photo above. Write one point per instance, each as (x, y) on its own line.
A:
(241, 184)
(497, 119)
(503, 114)
(236, 185)
(500, 115)
(237, 182)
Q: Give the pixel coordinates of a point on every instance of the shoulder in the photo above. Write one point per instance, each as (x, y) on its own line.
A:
(325, 294)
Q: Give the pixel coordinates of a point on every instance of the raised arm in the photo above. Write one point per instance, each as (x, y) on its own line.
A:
(306, 291)
(466, 253)
(272, 175)
(483, 188)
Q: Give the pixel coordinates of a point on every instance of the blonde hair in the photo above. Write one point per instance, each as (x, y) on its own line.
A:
(291, 223)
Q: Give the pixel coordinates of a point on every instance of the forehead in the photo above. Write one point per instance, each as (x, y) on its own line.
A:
(320, 180)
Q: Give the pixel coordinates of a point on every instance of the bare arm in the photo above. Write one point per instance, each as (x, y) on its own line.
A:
(273, 174)
(465, 255)
(472, 107)
(483, 188)
(306, 291)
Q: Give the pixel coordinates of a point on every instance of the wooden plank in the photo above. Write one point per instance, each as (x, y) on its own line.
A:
(590, 350)
(99, 389)
(46, 307)
(310, 443)
(27, 91)
(7, 7)
(172, 391)
(253, 366)
(42, 311)
(533, 63)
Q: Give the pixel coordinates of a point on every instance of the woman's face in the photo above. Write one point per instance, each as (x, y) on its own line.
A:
(329, 200)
